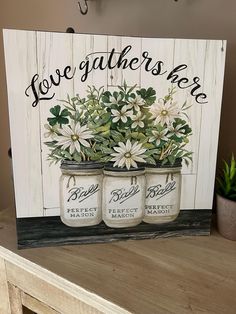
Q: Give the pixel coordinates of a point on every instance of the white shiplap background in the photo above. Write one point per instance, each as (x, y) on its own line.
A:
(28, 52)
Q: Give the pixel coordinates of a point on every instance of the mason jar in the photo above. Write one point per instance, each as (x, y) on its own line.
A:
(81, 193)
(123, 197)
(163, 192)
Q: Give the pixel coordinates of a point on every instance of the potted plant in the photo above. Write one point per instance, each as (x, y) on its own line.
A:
(226, 200)
(168, 133)
(76, 131)
(124, 182)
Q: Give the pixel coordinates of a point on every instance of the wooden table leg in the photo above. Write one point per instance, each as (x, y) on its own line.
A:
(15, 299)
(4, 294)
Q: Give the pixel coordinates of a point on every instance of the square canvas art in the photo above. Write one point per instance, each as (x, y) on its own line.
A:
(112, 137)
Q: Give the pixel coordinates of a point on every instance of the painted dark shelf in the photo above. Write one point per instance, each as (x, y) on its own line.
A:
(50, 231)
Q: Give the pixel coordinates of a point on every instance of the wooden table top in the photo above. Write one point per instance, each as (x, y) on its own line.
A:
(170, 275)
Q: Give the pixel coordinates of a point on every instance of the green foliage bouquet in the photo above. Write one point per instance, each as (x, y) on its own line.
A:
(127, 127)
(128, 120)
(76, 130)
(168, 131)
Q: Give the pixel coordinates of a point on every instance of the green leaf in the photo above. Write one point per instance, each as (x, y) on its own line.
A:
(103, 128)
(77, 157)
(105, 158)
(171, 159)
(106, 150)
(55, 110)
(62, 120)
(152, 152)
(150, 160)
(52, 121)
(65, 113)
(118, 137)
(88, 151)
(98, 138)
(148, 145)
(66, 154)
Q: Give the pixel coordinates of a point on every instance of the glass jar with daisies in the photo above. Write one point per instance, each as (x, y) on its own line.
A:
(76, 132)
(168, 131)
(124, 183)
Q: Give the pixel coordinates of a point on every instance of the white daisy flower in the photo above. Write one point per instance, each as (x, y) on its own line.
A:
(74, 136)
(158, 136)
(114, 101)
(176, 131)
(51, 131)
(122, 114)
(128, 154)
(136, 103)
(164, 113)
(138, 120)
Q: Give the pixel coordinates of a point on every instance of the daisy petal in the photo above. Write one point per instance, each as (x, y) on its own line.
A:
(84, 142)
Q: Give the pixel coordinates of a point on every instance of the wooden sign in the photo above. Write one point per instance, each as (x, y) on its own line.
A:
(112, 137)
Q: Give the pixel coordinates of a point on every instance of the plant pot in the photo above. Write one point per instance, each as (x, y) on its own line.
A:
(226, 217)
(123, 197)
(81, 193)
(163, 192)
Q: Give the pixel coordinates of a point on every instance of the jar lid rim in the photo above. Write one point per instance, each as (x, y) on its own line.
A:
(72, 164)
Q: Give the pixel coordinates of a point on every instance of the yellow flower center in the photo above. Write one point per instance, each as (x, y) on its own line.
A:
(74, 137)
(164, 112)
(127, 155)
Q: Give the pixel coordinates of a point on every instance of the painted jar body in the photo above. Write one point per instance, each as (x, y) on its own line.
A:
(123, 197)
(163, 192)
(81, 193)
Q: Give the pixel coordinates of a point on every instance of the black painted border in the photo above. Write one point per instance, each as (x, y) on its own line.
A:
(50, 231)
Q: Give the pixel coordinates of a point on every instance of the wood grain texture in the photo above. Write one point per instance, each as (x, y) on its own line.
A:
(15, 299)
(52, 290)
(165, 276)
(35, 305)
(213, 79)
(51, 231)
(21, 65)
(191, 52)
(48, 60)
(4, 296)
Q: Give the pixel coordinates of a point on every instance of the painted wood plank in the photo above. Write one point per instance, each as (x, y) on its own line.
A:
(51, 295)
(192, 53)
(188, 191)
(35, 305)
(213, 85)
(24, 122)
(118, 76)
(54, 51)
(114, 76)
(159, 50)
(4, 302)
(15, 299)
(51, 231)
(53, 211)
(87, 48)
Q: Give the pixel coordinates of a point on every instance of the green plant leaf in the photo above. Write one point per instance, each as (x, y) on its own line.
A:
(106, 150)
(52, 121)
(117, 136)
(77, 157)
(55, 110)
(150, 160)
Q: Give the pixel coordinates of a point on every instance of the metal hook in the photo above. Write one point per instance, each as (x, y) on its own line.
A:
(83, 10)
